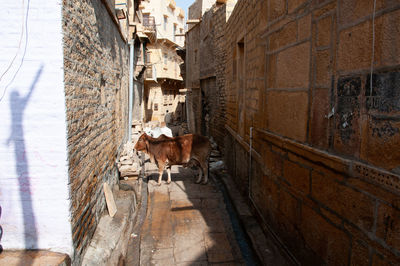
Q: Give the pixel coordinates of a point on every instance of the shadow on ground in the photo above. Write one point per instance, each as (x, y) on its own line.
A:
(186, 224)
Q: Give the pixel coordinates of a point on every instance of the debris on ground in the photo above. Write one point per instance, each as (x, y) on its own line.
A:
(216, 166)
(216, 163)
(128, 164)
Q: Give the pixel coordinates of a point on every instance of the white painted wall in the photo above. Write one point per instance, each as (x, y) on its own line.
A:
(33, 151)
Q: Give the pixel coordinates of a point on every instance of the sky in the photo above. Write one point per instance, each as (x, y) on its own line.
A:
(184, 4)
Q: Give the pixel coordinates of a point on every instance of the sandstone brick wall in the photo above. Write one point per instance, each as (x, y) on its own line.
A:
(212, 69)
(206, 42)
(96, 88)
(192, 81)
(324, 171)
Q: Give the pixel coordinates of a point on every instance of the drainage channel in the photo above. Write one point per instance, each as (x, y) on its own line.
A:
(133, 254)
(249, 256)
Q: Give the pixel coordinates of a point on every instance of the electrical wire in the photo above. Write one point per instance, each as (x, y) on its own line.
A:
(23, 29)
(373, 49)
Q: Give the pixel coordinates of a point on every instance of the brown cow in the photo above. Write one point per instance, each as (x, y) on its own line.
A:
(184, 150)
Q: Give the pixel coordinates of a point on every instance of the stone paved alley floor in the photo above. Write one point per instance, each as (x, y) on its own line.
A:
(187, 224)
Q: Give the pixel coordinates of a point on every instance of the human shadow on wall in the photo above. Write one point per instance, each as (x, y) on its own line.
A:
(18, 105)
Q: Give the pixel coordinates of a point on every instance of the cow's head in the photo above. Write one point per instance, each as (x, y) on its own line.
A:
(142, 144)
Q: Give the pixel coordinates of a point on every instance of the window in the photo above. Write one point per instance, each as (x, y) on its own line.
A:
(195, 56)
(174, 32)
(240, 65)
(165, 59)
(156, 107)
(165, 23)
(148, 57)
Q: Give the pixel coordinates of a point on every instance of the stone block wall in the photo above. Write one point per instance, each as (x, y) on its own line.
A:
(218, 119)
(212, 70)
(192, 81)
(96, 62)
(325, 162)
(206, 43)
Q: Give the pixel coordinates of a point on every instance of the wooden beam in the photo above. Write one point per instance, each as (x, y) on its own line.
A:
(193, 21)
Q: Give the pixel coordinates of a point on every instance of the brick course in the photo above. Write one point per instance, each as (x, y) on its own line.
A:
(96, 88)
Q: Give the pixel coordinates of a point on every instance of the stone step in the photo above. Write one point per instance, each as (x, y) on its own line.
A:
(33, 258)
(112, 234)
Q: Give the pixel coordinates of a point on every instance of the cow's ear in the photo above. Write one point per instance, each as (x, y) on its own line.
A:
(146, 142)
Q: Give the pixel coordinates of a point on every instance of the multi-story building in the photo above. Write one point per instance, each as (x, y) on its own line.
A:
(163, 23)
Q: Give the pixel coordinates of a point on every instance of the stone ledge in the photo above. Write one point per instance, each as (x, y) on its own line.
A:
(33, 258)
(388, 180)
(266, 247)
(109, 243)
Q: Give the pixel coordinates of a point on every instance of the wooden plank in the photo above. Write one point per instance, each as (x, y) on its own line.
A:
(111, 206)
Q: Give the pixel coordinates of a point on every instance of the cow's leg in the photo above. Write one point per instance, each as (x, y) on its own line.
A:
(198, 180)
(204, 168)
(160, 173)
(169, 174)
(161, 166)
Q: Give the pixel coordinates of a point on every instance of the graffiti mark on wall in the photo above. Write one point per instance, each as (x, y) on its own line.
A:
(384, 97)
(385, 130)
(348, 106)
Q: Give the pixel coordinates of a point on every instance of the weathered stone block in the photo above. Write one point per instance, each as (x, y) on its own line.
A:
(323, 68)
(351, 11)
(355, 43)
(304, 27)
(271, 70)
(355, 206)
(289, 207)
(388, 225)
(287, 113)
(378, 139)
(268, 200)
(293, 62)
(294, 4)
(319, 126)
(283, 37)
(297, 176)
(326, 240)
(324, 31)
(275, 9)
(359, 254)
(273, 162)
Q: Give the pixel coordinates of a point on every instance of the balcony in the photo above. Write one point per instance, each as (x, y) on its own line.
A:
(172, 4)
(151, 73)
(181, 13)
(149, 27)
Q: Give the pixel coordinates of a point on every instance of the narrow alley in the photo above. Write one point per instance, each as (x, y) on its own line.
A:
(189, 224)
(291, 106)
(186, 223)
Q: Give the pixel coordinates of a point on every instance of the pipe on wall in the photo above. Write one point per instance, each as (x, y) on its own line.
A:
(131, 66)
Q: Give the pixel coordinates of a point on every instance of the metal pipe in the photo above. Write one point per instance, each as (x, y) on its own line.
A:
(250, 150)
(142, 96)
(131, 65)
